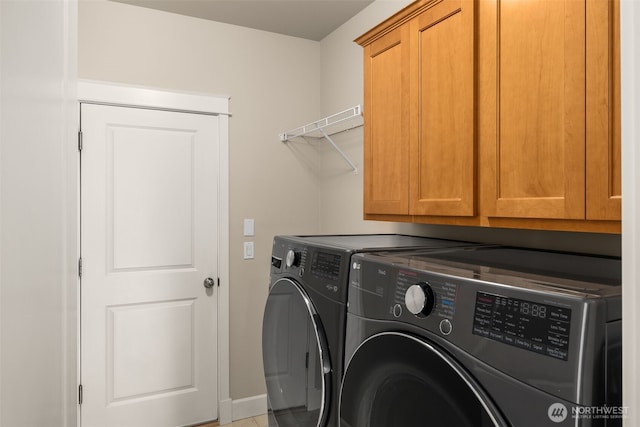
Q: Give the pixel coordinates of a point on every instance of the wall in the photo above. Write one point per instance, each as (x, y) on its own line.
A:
(343, 87)
(630, 64)
(273, 84)
(38, 239)
(341, 191)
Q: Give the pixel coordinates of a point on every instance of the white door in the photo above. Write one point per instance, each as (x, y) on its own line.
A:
(149, 218)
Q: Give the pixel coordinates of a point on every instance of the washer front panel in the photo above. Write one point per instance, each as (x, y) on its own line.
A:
(558, 364)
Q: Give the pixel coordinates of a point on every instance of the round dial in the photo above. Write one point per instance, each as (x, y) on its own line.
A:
(292, 259)
(420, 299)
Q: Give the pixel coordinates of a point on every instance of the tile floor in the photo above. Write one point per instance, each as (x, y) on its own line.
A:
(259, 421)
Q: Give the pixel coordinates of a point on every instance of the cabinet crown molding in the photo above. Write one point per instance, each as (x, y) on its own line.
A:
(395, 20)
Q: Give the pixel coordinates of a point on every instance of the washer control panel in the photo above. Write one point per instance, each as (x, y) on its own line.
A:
(419, 299)
(425, 297)
(530, 325)
(463, 309)
(404, 295)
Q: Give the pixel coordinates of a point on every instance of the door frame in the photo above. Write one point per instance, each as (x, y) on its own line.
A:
(106, 93)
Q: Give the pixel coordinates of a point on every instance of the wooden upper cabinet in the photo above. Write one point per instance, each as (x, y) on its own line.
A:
(442, 155)
(498, 113)
(419, 149)
(533, 108)
(604, 181)
(386, 128)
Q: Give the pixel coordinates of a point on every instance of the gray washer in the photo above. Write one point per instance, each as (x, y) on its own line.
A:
(513, 337)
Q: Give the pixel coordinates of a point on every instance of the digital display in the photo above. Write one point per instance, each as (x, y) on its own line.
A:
(326, 265)
(536, 327)
(535, 310)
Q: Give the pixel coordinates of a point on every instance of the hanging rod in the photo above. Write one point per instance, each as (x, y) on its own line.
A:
(330, 125)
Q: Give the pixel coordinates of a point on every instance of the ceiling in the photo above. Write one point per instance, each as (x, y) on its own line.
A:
(309, 19)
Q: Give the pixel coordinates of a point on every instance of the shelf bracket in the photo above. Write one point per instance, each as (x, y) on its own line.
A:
(344, 156)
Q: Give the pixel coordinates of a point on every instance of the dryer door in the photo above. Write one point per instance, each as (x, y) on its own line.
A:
(396, 380)
(295, 358)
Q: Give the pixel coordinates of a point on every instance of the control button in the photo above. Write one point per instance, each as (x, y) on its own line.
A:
(292, 259)
(420, 299)
(397, 310)
(446, 327)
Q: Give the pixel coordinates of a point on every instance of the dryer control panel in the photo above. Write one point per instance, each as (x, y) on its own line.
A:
(325, 270)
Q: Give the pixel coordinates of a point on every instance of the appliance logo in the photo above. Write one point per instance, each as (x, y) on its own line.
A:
(332, 288)
(382, 272)
(557, 412)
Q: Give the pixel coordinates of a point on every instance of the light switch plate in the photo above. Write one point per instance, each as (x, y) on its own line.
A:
(248, 227)
(248, 250)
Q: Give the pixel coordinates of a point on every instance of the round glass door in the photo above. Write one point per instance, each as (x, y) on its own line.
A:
(396, 380)
(295, 357)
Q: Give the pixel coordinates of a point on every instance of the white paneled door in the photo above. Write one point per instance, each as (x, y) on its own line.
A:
(149, 221)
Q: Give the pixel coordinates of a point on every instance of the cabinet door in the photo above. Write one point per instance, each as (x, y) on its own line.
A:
(533, 98)
(386, 117)
(604, 183)
(442, 155)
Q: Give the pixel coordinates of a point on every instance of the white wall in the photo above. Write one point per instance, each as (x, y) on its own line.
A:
(342, 88)
(273, 84)
(630, 65)
(37, 227)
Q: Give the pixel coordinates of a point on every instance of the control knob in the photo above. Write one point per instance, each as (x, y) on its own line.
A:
(292, 259)
(420, 299)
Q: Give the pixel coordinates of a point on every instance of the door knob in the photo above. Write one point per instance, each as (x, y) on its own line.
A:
(209, 282)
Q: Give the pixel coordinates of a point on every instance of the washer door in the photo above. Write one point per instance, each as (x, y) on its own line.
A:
(295, 358)
(396, 380)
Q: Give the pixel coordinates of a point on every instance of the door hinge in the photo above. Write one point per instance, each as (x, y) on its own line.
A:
(80, 394)
(80, 140)
(80, 267)
(218, 282)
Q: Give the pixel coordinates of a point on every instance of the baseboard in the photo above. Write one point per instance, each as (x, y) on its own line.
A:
(249, 407)
(225, 412)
